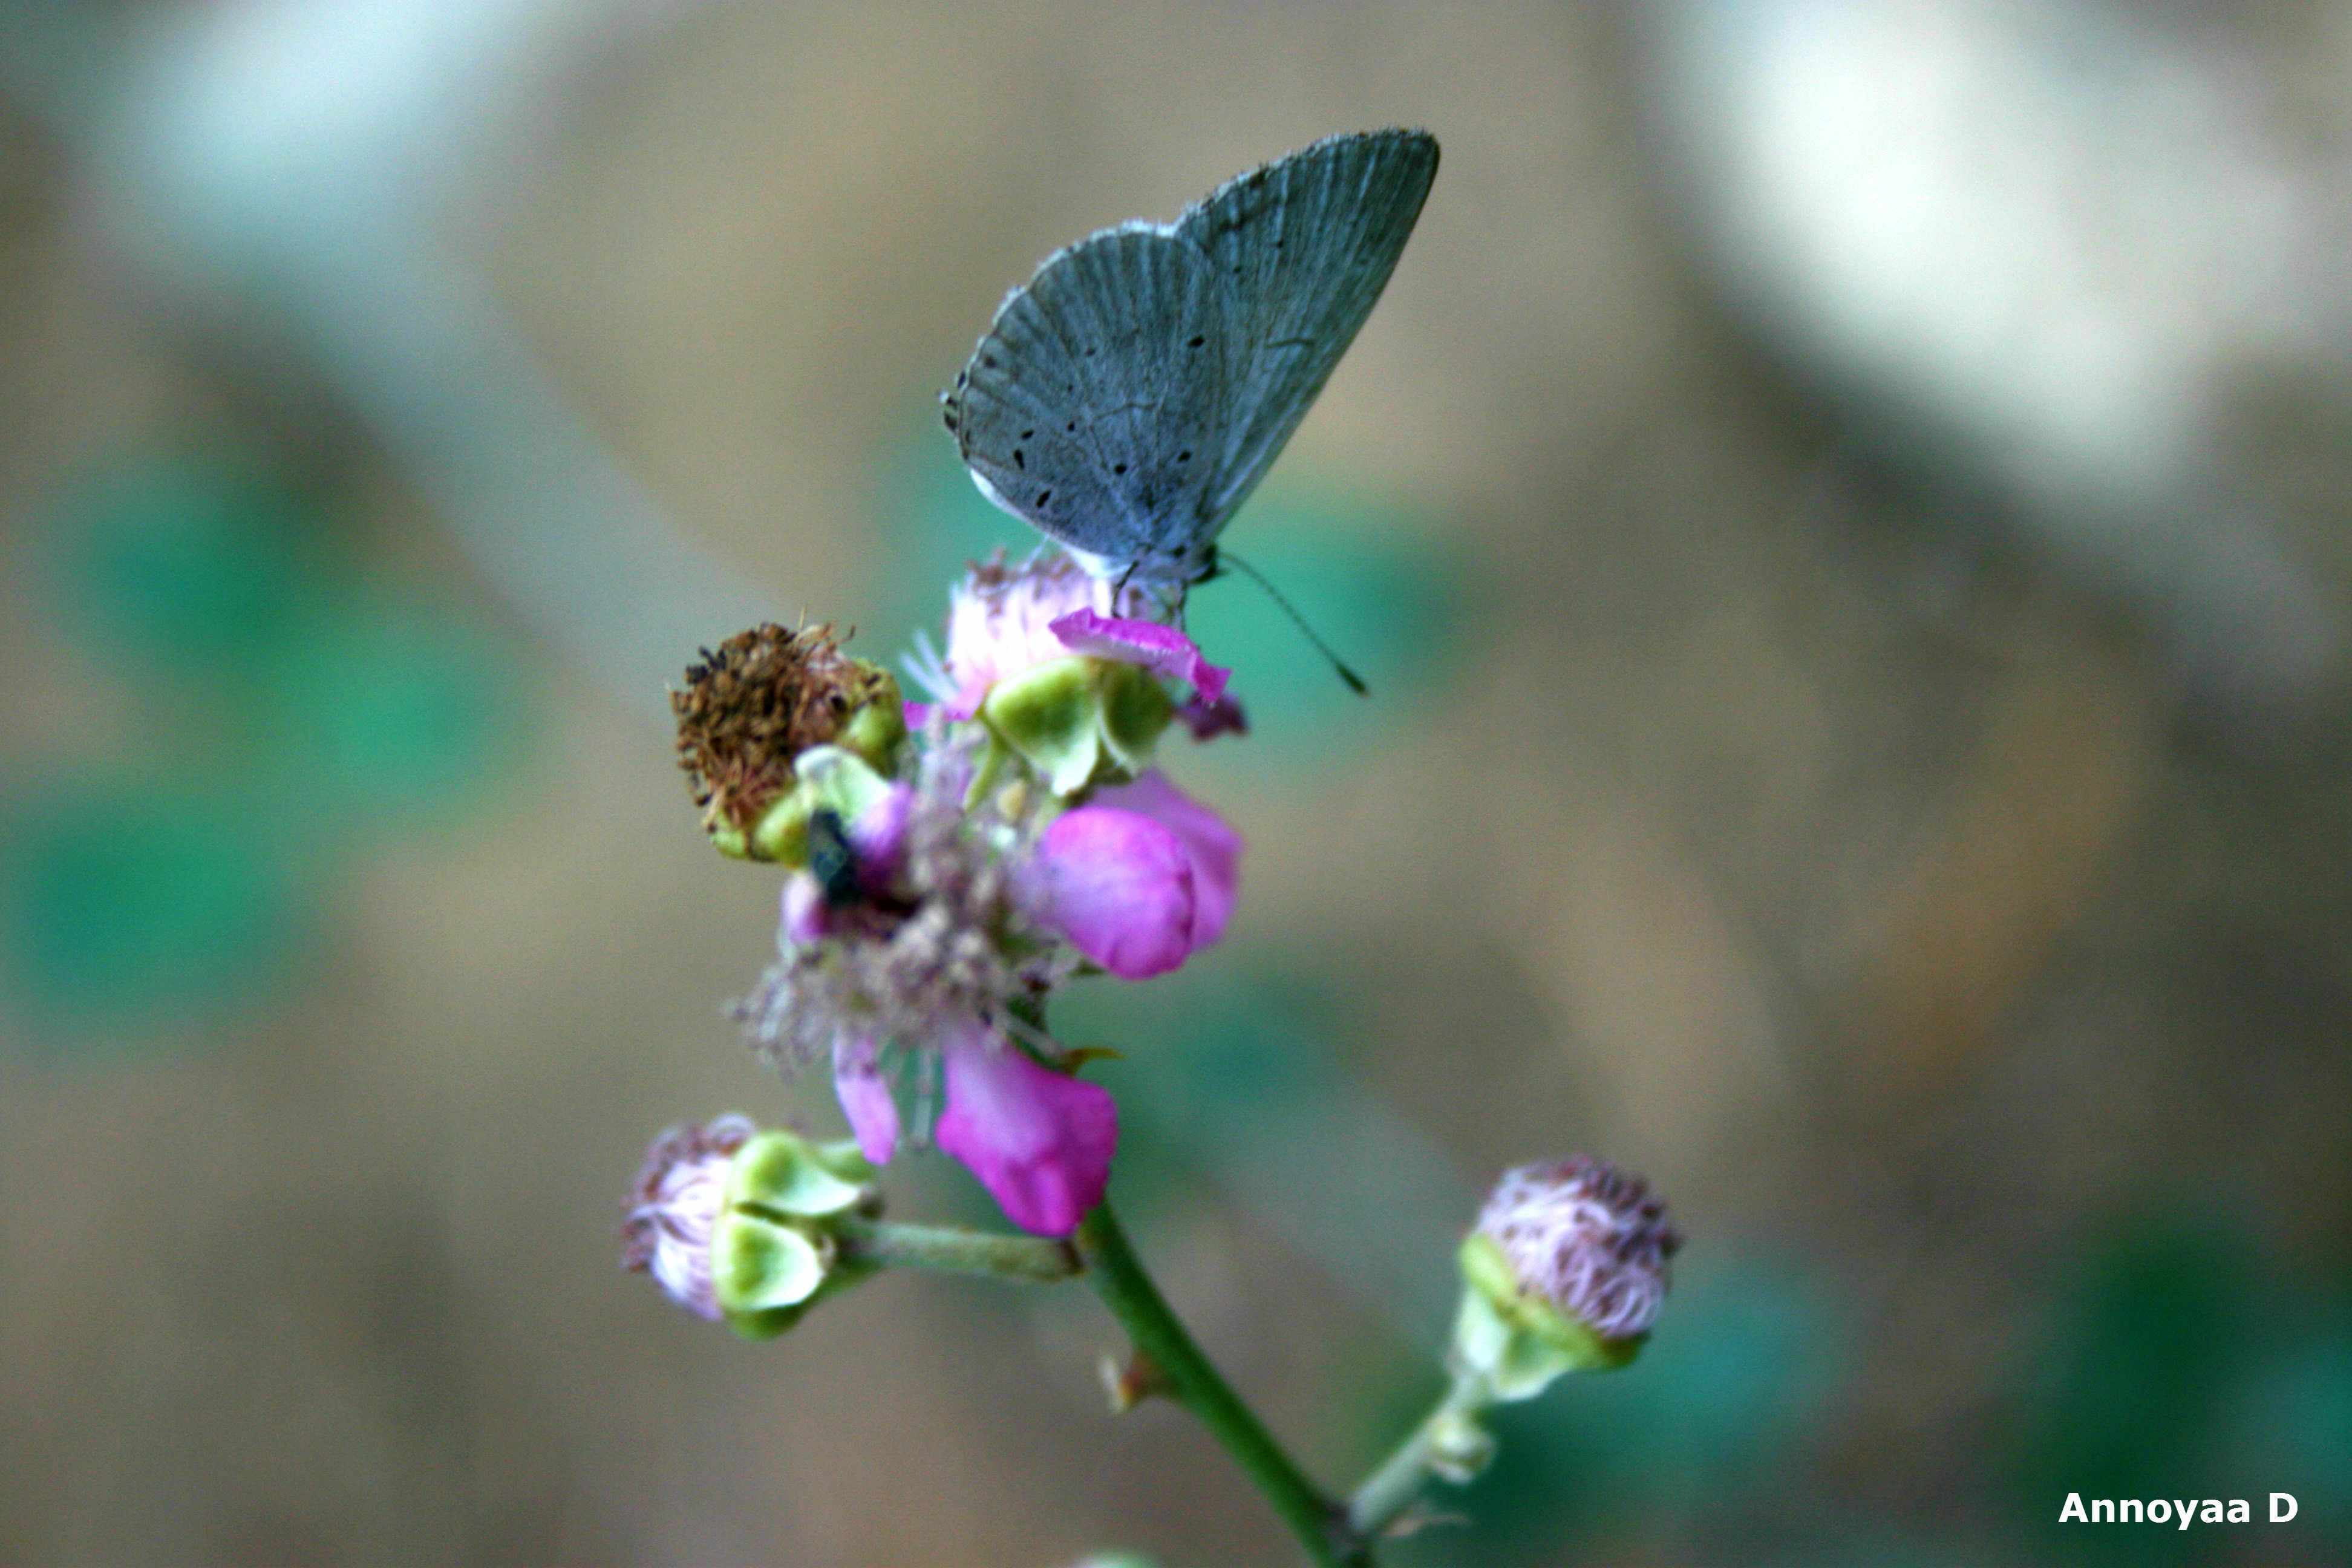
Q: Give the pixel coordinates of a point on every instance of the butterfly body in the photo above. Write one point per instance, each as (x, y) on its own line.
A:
(1129, 397)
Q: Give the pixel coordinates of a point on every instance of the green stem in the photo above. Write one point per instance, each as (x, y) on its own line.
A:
(1389, 1490)
(1118, 1277)
(950, 1251)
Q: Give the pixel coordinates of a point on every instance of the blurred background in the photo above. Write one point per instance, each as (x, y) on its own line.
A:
(1842, 508)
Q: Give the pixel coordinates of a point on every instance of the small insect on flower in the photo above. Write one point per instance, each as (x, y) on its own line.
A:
(833, 858)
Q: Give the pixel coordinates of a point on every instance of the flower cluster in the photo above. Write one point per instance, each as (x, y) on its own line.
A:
(951, 863)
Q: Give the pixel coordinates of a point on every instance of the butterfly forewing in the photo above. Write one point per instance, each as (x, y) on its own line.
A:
(1095, 407)
(1304, 246)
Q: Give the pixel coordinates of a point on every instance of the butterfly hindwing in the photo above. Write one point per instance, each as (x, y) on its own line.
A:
(1094, 406)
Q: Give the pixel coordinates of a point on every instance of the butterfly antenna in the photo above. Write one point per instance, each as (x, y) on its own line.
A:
(1355, 682)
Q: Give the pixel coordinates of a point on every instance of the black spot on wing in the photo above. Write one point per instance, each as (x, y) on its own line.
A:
(1083, 383)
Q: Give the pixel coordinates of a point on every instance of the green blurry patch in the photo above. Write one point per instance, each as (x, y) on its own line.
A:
(396, 713)
(1360, 571)
(287, 711)
(2287, 1425)
(2180, 1362)
(186, 562)
(1228, 1073)
(2139, 1354)
(126, 904)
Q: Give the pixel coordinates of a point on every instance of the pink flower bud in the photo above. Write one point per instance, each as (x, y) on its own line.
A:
(674, 1209)
(1586, 1237)
(1139, 879)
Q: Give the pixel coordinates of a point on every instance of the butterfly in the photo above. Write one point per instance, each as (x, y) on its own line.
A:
(1127, 398)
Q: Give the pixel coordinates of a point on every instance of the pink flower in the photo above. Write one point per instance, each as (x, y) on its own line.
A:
(803, 909)
(866, 1096)
(1003, 621)
(1039, 1141)
(674, 1209)
(876, 842)
(879, 836)
(1139, 879)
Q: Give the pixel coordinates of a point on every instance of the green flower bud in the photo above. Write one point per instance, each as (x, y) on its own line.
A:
(1566, 1272)
(1078, 720)
(741, 1225)
(1514, 1338)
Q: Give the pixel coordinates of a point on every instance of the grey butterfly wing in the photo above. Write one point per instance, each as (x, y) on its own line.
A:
(1303, 246)
(1094, 407)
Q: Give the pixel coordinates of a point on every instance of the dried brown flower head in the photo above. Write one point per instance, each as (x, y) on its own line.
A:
(756, 702)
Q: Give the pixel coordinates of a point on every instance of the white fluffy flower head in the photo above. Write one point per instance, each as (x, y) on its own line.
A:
(1588, 1238)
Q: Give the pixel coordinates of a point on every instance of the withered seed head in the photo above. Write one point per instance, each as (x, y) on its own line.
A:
(748, 708)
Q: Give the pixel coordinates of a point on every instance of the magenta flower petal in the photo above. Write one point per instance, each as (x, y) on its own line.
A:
(1163, 650)
(879, 837)
(865, 1098)
(1039, 1141)
(803, 911)
(960, 707)
(1120, 886)
(1213, 845)
(1207, 720)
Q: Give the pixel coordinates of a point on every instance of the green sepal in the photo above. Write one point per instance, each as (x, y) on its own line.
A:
(1135, 707)
(1079, 720)
(876, 731)
(774, 1252)
(1514, 1338)
(758, 1264)
(776, 1320)
(1051, 714)
(786, 1175)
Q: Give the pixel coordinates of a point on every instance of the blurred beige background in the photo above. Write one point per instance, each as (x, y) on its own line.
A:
(1789, 803)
